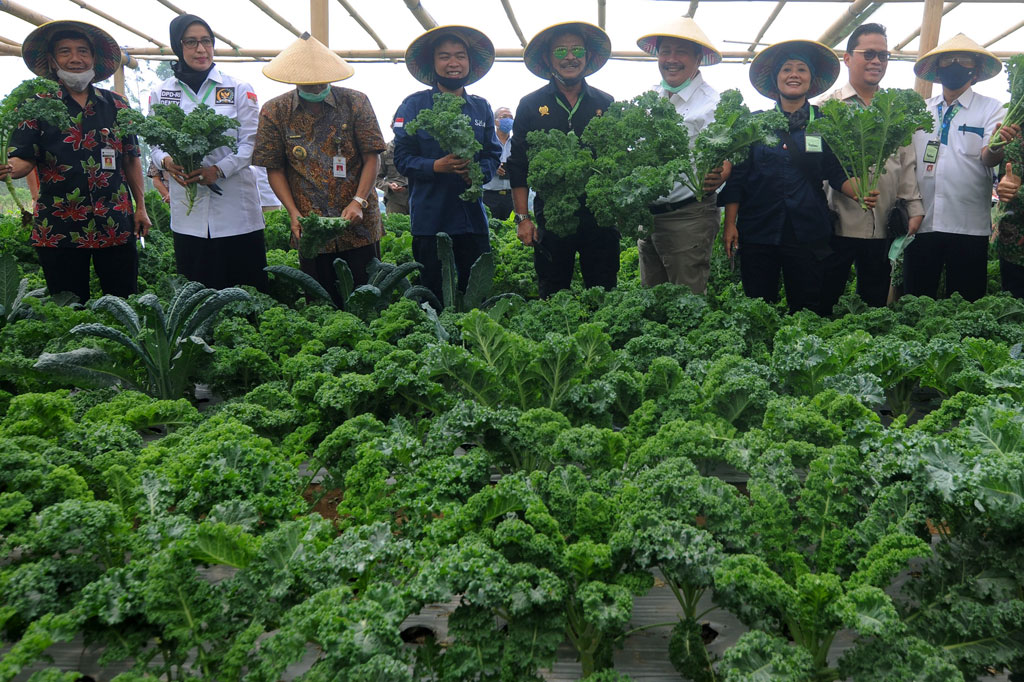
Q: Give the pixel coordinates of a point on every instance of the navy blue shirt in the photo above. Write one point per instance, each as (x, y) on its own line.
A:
(434, 203)
(782, 199)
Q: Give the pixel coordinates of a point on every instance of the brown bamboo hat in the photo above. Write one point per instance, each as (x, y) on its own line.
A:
(36, 48)
(419, 57)
(597, 42)
(307, 61)
(823, 62)
(683, 28)
(927, 67)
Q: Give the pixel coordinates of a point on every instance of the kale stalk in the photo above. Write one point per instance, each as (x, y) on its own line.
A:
(453, 131)
(1015, 113)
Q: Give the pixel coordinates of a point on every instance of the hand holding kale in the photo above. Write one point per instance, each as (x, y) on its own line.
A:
(862, 138)
(453, 131)
(559, 169)
(36, 99)
(187, 138)
(1015, 113)
(317, 232)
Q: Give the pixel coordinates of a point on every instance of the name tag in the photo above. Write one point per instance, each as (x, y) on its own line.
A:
(813, 143)
(107, 160)
(930, 159)
(340, 167)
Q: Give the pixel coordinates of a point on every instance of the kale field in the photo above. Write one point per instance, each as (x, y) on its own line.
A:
(536, 466)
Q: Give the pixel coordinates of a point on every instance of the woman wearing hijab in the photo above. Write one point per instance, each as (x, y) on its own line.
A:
(220, 242)
(775, 207)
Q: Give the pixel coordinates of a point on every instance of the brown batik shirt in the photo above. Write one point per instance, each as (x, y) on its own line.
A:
(292, 138)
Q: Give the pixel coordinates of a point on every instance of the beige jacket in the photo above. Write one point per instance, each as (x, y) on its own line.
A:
(898, 182)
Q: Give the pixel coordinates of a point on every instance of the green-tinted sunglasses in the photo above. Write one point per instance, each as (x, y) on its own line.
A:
(562, 52)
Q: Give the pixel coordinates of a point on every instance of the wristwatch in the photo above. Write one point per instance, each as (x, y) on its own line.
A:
(361, 201)
(520, 217)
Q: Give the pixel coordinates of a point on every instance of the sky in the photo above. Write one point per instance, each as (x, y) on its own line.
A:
(730, 25)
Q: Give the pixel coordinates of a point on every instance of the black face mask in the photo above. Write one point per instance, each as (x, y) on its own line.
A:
(450, 83)
(954, 76)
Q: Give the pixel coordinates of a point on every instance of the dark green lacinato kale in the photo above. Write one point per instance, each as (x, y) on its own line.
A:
(36, 99)
(187, 138)
(1015, 113)
(862, 138)
(317, 232)
(559, 169)
(453, 131)
(729, 137)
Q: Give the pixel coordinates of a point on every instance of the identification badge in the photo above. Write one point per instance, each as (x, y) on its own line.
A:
(813, 144)
(340, 167)
(931, 151)
(107, 159)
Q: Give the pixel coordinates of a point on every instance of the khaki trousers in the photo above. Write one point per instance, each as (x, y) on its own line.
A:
(678, 250)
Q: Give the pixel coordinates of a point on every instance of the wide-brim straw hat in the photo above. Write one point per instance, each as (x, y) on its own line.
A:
(683, 28)
(307, 61)
(106, 51)
(597, 42)
(419, 57)
(823, 62)
(927, 67)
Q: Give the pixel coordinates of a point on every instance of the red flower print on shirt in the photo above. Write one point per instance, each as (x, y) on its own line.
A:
(124, 202)
(30, 124)
(52, 171)
(111, 237)
(78, 138)
(71, 208)
(90, 239)
(100, 209)
(96, 177)
(41, 236)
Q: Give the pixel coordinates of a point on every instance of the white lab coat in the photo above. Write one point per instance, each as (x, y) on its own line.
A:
(238, 210)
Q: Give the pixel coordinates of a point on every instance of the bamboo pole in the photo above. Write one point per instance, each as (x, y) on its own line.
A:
(771, 18)
(1005, 33)
(23, 13)
(847, 21)
(117, 22)
(8, 41)
(601, 14)
(512, 20)
(931, 21)
(692, 9)
(177, 10)
(946, 9)
(421, 14)
(119, 80)
(319, 21)
(276, 17)
(359, 20)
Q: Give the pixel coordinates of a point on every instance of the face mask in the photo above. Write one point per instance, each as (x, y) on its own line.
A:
(316, 96)
(505, 125)
(76, 82)
(954, 76)
(451, 83)
(676, 88)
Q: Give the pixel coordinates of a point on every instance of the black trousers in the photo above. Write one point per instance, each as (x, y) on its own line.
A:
(1011, 276)
(555, 258)
(68, 270)
(964, 257)
(499, 203)
(802, 268)
(223, 262)
(870, 258)
(321, 268)
(465, 247)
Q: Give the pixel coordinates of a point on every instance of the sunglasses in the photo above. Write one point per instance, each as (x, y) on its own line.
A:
(870, 55)
(562, 52)
(192, 43)
(966, 62)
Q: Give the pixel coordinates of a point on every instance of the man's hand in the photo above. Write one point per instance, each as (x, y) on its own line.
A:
(142, 221)
(731, 239)
(176, 171)
(501, 170)
(5, 171)
(717, 177)
(353, 212)
(395, 187)
(851, 188)
(296, 229)
(207, 175)
(527, 232)
(914, 224)
(1008, 133)
(1008, 186)
(451, 164)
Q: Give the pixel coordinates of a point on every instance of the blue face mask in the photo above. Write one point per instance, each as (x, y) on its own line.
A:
(505, 125)
(316, 96)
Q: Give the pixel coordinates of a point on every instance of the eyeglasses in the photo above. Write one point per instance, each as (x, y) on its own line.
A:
(192, 43)
(870, 55)
(966, 62)
(578, 51)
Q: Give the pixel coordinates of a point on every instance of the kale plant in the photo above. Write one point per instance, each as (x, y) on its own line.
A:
(1015, 74)
(559, 169)
(862, 138)
(187, 138)
(317, 232)
(453, 130)
(36, 99)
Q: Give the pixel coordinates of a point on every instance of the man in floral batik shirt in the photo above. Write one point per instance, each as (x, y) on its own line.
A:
(84, 212)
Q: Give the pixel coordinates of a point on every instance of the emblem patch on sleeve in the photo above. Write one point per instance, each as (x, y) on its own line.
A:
(224, 96)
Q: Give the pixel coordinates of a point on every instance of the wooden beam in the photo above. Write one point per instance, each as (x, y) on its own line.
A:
(119, 80)
(847, 21)
(601, 13)
(692, 10)
(23, 13)
(507, 4)
(421, 14)
(276, 17)
(319, 21)
(117, 22)
(8, 41)
(177, 10)
(946, 9)
(359, 20)
(931, 21)
(1005, 33)
(764, 28)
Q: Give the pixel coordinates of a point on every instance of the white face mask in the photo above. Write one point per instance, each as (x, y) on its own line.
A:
(76, 82)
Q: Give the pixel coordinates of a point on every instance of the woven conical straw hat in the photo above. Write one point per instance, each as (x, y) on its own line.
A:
(683, 28)
(927, 67)
(307, 61)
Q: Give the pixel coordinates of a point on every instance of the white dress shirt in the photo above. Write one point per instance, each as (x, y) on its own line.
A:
(498, 183)
(238, 210)
(696, 104)
(957, 188)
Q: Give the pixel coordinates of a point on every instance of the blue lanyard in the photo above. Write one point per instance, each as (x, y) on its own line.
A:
(947, 120)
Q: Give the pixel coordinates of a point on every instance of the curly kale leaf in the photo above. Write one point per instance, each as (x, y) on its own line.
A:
(317, 232)
(862, 138)
(453, 131)
(36, 99)
(559, 170)
(1015, 113)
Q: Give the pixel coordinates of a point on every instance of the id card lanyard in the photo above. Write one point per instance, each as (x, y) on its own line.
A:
(569, 111)
(812, 141)
(931, 148)
(202, 99)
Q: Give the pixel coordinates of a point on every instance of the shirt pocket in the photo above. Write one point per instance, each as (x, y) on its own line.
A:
(970, 143)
